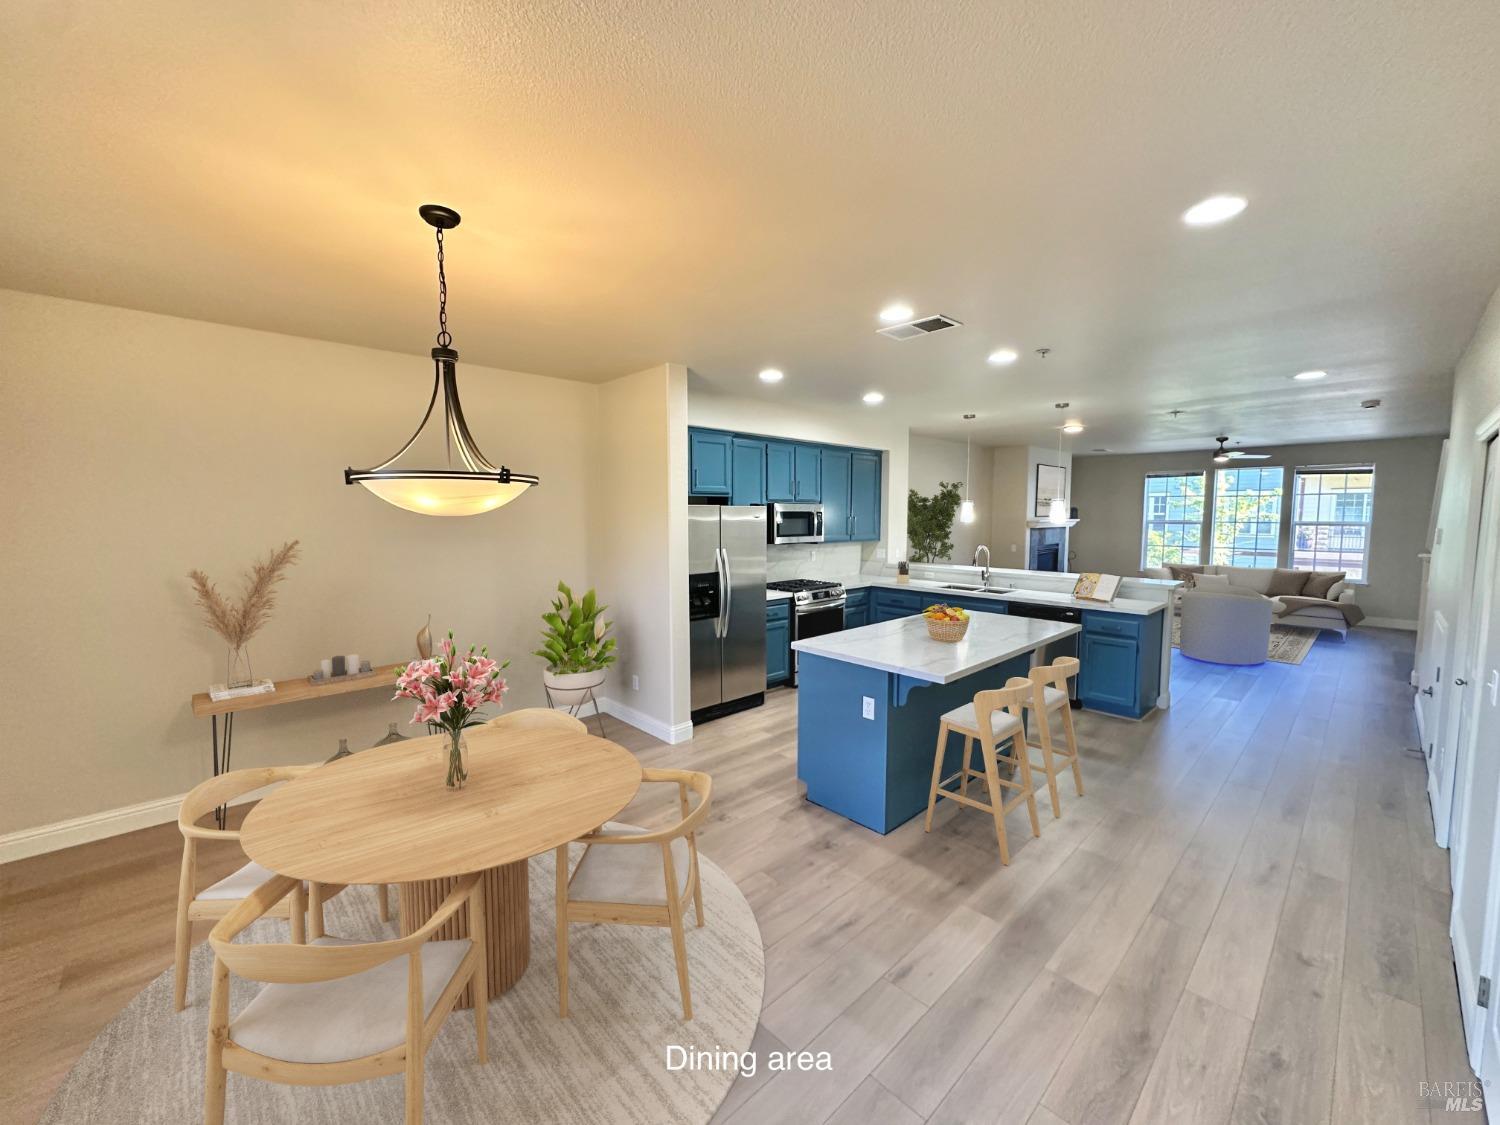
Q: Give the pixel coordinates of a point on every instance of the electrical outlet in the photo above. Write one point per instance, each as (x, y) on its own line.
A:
(869, 707)
(635, 683)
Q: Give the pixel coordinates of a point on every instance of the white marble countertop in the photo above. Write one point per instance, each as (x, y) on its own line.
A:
(903, 646)
(1137, 606)
(778, 595)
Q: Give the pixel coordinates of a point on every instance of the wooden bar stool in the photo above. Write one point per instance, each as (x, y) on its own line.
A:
(992, 719)
(1050, 693)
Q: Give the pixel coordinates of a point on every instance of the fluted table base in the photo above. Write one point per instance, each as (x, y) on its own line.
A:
(507, 923)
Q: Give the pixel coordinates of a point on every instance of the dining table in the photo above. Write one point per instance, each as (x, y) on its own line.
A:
(385, 816)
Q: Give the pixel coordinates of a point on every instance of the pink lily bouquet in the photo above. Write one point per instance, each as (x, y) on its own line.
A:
(449, 690)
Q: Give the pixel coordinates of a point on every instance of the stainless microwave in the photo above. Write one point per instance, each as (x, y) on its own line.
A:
(794, 523)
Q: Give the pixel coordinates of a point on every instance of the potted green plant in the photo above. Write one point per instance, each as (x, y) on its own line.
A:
(929, 522)
(576, 647)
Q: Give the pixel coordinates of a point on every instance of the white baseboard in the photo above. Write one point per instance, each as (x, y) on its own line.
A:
(667, 732)
(1406, 623)
(96, 826)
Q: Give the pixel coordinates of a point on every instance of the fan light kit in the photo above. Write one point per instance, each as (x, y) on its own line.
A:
(478, 486)
(1223, 456)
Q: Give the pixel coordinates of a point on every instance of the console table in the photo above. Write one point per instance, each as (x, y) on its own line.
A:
(297, 690)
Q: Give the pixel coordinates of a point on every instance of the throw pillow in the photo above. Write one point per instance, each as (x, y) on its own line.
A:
(1210, 581)
(1319, 582)
(1287, 583)
(1185, 574)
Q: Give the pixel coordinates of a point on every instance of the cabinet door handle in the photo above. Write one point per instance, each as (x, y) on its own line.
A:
(1427, 691)
(1460, 682)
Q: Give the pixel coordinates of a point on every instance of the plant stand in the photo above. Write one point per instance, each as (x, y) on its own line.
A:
(574, 708)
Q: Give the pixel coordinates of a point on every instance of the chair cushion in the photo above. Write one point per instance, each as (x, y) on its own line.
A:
(627, 872)
(348, 1018)
(242, 884)
(1054, 698)
(1002, 723)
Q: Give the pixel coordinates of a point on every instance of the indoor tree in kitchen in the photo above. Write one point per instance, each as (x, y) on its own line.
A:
(576, 647)
(929, 522)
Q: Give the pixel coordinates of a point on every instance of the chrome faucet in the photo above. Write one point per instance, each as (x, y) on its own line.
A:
(984, 571)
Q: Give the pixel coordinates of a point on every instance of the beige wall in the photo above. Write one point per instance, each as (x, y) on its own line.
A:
(134, 447)
(638, 549)
(1109, 494)
(934, 460)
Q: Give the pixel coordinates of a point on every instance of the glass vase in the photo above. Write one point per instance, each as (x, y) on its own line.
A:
(458, 759)
(237, 668)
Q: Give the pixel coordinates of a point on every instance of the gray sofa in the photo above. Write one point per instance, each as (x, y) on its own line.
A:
(1335, 613)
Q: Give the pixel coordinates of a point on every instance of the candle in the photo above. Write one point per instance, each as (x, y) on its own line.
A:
(326, 667)
(351, 664)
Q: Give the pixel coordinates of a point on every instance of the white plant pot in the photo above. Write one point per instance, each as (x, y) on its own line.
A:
(571, 688)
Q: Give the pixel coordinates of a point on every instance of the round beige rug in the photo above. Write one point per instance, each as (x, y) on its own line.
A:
(606, 1063)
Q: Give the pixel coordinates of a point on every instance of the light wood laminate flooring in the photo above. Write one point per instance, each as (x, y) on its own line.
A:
(1245, 920)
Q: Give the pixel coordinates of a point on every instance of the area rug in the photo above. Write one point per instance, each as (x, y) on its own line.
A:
(606, 1063)
(1289, 644)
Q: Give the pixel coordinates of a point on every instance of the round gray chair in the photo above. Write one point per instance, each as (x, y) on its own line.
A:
(1225, 628)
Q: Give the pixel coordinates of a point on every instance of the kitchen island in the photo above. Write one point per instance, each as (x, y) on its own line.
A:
(870, 700)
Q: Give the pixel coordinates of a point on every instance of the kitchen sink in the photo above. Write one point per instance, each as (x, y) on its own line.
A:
(970, 589)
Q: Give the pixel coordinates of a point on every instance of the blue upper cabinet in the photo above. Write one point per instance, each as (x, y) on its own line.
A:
(835, 468)
(864, 495)
(781, 472)
(749, 484)
(710, 463)
(808, 487)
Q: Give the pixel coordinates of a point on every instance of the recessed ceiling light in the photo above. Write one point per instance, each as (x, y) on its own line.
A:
(1072, 427)
(874, 398)
(1309, 376)
(896, 313)
(1214, 209)
(1002, 357)
(771, 375)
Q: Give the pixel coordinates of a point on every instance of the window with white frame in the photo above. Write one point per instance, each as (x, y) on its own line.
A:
(1332, 508)
(1247, 516)
(1172, 524)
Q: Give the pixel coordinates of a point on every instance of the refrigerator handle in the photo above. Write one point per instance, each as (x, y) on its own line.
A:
(726, 597)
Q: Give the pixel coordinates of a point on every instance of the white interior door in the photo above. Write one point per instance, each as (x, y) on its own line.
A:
(1475, 678)
(1430, 697)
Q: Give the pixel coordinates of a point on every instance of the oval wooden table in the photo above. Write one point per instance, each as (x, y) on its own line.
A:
(384, 816)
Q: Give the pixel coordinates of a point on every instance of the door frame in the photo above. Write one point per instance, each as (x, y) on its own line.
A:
(1470, 647)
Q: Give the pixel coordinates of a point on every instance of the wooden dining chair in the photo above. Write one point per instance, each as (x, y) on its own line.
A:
(629, 876)
(1050, 693)
(539, 718)
(219, 899)
(993, 719)
(334, 1011)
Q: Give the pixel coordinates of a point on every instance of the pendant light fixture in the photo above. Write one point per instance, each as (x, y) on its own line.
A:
(1057, 510)
(966, 509)
(475, 485)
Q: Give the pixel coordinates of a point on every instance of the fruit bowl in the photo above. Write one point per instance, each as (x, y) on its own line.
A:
(946, 623)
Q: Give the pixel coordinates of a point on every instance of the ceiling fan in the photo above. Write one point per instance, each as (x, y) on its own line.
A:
(1223, 456)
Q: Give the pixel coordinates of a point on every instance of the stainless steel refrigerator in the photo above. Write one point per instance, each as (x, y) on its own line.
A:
(727, 608)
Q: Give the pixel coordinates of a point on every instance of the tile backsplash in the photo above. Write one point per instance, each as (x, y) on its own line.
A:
(816, 560)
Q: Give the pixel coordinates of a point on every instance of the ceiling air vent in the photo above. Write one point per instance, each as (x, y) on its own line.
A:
(923, 326)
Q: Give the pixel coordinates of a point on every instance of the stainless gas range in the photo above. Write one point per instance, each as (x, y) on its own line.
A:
(817, 608)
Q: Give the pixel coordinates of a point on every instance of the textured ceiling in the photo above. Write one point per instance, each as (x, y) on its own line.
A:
(731, 185)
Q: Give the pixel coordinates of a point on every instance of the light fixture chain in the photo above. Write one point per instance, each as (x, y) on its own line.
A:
(444, 337)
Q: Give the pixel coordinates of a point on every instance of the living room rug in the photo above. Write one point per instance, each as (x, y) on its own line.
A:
(606, 1063)
(1289, 644)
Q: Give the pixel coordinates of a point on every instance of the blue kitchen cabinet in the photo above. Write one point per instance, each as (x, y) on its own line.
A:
(710, 463)
(1120, 662)
(835, 468)
(864, 495)
(808, 487)
(887, 604)
(749, 465)
(857, 608)
(778, 642)
(781, 472)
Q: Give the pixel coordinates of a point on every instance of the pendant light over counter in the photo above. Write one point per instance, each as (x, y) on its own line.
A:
(475, 485)
(966, 509)
(1057, 509)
